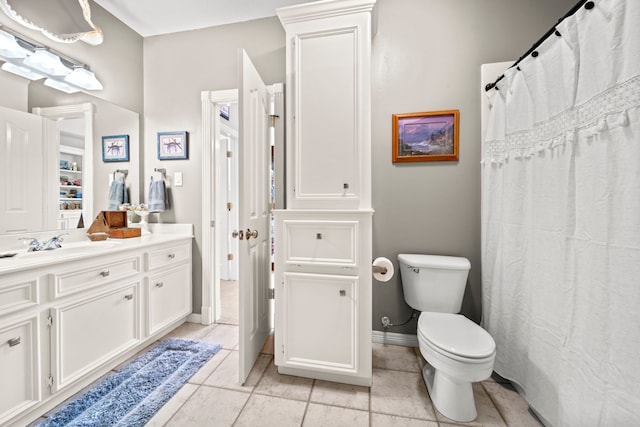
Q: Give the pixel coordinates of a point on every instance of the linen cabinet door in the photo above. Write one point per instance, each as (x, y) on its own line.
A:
(88, 332)
(169, 297)
(320, 322)
(19, 367)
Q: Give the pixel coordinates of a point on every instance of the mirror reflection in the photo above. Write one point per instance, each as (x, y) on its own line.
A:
(76, 180)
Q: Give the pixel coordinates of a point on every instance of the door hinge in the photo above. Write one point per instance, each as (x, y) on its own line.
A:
(282, 348)
(212, 223)
(272, 293)
(50, 321)
(229, 154)
(229, 257)
(50, 381)
(229, 206)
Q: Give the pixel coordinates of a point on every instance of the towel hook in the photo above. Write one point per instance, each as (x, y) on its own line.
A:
(163, 171)
(125, 172)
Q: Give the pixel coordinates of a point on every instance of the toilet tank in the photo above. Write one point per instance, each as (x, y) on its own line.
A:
(434, 282)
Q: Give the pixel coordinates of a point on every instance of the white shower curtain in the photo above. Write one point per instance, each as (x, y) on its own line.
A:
(561, 221)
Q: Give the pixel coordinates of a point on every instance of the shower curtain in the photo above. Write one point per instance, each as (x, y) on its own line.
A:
(561, 220)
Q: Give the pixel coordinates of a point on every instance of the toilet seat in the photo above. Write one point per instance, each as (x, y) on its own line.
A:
(455, 336)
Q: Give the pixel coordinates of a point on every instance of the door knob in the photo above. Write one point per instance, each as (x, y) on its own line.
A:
(251, 234)
(237, 234)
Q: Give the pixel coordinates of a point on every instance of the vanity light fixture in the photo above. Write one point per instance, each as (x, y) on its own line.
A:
(21, 71)
(9, 47)
(61, 86)
(33, 61)
(83, 78)
(46, 62)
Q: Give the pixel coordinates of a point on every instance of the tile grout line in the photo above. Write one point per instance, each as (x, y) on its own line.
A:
(252, 392)
(506, 423)
(198, 386)
(306, 407)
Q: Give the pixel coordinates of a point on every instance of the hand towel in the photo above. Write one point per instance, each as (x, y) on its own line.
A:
(157, 197)
(118, 195)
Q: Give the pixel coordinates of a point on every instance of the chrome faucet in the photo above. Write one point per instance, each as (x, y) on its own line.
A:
(53, 243)
(34, 244)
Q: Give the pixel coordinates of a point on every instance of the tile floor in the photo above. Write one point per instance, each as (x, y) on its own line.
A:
(398, 396)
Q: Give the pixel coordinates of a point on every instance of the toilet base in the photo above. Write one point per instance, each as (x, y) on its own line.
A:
(452, 399)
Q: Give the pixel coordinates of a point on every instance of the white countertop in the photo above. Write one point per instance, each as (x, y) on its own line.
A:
(77, 246)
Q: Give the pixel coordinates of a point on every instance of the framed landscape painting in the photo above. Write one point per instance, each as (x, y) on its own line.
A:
(425, 137)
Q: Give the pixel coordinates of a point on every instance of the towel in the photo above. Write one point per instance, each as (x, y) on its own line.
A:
(157, 196)
(118, 195)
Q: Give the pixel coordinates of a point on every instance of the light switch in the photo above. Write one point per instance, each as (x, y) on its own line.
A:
(177, 179)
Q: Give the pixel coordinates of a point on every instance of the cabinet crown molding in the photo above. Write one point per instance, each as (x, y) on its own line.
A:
(323, 9)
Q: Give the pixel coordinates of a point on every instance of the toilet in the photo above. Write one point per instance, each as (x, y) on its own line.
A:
(458, 351)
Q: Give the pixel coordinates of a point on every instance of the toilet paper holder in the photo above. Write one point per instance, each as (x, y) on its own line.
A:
(379, 269)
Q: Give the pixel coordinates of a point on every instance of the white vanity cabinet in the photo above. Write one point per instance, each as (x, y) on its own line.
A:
(20, 345)
(89, 331)
(65, 322)
(323, 248)
(94, 314)
(19, 366)
(168, 286)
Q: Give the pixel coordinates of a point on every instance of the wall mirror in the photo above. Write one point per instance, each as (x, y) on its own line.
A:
(81, 121)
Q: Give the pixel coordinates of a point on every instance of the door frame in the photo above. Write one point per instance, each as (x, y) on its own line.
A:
(211, 155)
(51, 134)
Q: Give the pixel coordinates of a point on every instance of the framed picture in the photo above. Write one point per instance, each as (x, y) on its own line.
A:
(172, 145)
(425, 137)
(115, 148)
(224, 112)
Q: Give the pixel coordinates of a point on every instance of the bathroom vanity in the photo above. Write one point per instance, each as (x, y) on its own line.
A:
(69, 315)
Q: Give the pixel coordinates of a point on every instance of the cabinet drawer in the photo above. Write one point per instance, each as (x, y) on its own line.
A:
(19, 367)
(329, 243)
(89, 276)
(168, 256)
(18, 293)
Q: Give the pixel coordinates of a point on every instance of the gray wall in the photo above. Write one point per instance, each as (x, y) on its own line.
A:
(426, 57)
(177, 68)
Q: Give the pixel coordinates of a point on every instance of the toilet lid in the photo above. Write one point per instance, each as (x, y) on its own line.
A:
(456, 334)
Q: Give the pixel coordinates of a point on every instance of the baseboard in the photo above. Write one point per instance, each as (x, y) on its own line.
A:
(194, 318)
(394, 338)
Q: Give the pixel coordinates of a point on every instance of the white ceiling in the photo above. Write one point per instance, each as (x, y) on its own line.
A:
(154, 17)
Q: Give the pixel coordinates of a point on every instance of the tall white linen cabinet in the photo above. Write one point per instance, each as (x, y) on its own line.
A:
(323, 239)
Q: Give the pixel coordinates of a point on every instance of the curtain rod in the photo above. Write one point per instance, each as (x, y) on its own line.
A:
(532, 51)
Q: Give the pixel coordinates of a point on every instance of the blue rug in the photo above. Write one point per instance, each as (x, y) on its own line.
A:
(136, 391)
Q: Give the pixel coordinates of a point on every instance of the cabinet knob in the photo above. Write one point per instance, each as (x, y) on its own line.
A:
(319, 236)
(105, 273)
(343, 293)
(159, 285)
(14, 341)
(172, 256)
(128, 297)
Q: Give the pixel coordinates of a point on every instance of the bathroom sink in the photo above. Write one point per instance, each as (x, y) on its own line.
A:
(85, 247)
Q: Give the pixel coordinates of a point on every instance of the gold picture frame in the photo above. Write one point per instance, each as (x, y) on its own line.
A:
(426, 137)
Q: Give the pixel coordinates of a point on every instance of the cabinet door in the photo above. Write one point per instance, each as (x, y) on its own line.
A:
(19, 367)
(319, 322)
(89, 332)
(329, 113)
(169, 297)
(21, 172)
